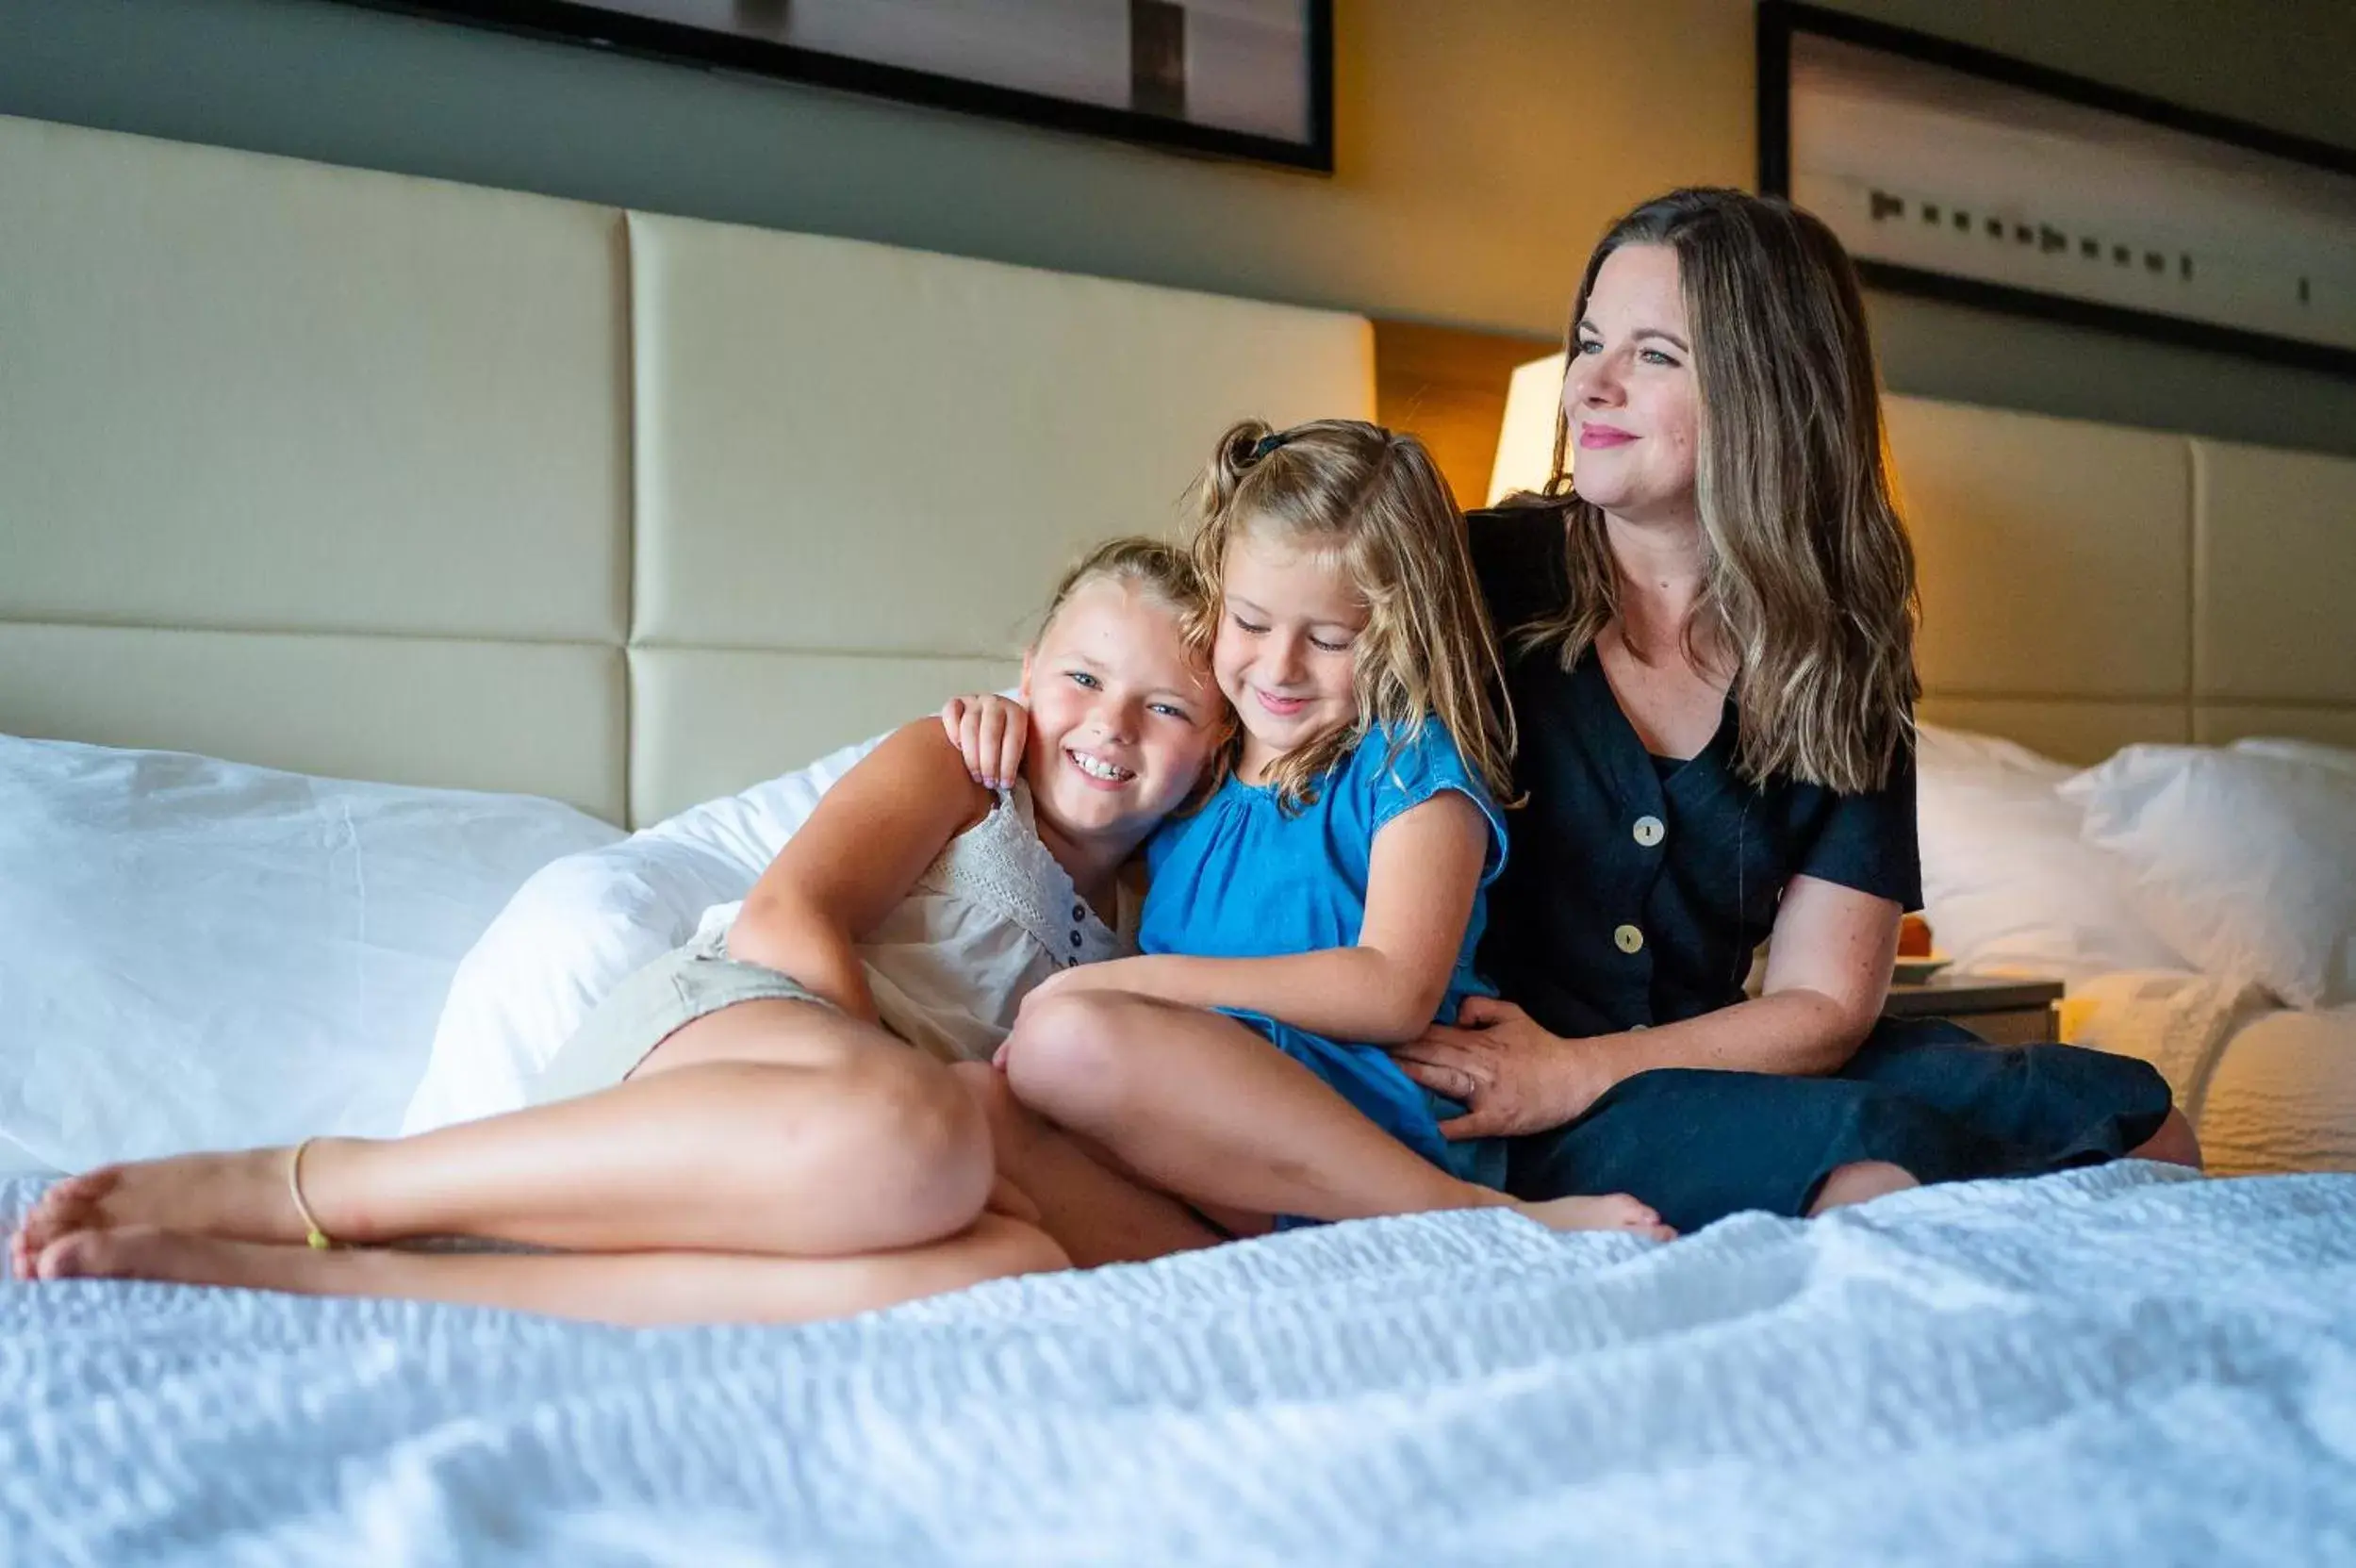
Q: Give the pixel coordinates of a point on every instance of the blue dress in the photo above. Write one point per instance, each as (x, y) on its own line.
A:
(1242, 879)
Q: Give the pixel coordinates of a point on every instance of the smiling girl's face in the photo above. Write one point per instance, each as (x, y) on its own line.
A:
(1285, 652)
(1630, 394)
(1123, 716)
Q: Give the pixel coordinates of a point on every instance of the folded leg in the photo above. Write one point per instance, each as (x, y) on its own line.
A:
(1199, 1105)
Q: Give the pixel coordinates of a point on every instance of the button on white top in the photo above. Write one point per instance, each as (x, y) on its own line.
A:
(1649, 831)
(1628, 939)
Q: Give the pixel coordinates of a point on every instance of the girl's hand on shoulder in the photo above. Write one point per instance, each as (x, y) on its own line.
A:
(1510, 1075)
(990, 732)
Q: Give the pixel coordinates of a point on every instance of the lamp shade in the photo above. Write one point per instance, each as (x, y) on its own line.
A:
(1526, 443)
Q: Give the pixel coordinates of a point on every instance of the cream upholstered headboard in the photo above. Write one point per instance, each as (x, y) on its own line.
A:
(2086, 586)
(322, 469)
(358, 475)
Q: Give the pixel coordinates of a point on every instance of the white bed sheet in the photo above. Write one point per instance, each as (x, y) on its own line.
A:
(2111, 1365)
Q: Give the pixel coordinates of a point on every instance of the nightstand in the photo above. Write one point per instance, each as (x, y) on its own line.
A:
(2000, 1011)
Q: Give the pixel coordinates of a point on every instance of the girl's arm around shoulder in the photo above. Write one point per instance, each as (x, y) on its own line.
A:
(1426, 870)
(862, 851)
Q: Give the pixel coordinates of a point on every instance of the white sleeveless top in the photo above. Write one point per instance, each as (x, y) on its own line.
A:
(991, 918)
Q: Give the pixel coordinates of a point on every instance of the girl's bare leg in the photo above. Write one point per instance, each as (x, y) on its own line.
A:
(1199, 1105)
(769, 1127)
(634, 1288)
(1095, 1212)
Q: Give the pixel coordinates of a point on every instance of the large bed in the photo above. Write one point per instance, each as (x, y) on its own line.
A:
(417, 601)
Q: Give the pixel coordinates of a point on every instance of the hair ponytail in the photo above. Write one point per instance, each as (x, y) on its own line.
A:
(1373, 500)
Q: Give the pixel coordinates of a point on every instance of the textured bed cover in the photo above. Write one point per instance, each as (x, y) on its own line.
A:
(2111, 1366)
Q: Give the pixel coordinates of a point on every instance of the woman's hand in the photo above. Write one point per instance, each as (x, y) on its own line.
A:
(990, 730)
(1511, 1076)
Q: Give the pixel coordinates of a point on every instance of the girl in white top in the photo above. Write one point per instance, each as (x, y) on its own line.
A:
(945, 968)
(751, 1142)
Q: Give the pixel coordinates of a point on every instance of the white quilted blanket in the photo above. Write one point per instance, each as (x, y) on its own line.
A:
(2110, 1366)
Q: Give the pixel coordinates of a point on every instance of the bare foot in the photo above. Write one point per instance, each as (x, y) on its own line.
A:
(150, 1252)
(1617, 1212)
(242, 1196)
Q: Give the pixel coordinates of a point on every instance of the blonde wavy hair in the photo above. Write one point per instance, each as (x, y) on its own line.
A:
(1165, 573)
(1373, 501)
(1810, 577)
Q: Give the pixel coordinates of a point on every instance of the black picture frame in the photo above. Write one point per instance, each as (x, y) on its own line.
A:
(595, 25)
(1783, 24)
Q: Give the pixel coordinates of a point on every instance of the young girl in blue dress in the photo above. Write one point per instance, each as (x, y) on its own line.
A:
(1324, 902)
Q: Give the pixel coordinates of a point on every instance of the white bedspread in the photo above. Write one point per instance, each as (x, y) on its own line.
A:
(2116, 1365)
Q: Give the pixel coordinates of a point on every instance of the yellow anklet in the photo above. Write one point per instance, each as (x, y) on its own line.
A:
(320, 1241)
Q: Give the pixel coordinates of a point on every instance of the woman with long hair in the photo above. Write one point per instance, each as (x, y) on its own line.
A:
(1708, 620)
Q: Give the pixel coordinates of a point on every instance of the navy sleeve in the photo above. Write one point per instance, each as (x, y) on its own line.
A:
(1870, 841)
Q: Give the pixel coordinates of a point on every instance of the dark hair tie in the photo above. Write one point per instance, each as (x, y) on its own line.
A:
(1268, 443)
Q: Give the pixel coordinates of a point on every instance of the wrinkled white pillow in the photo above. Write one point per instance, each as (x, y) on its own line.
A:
(2009, 885)
(200, 954)
(579, 925)
(2245, 859)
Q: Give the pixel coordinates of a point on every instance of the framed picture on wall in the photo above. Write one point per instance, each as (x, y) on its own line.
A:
(1234, 78)
(1964, 175)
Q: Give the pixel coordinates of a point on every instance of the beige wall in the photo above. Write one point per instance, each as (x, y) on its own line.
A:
(1482, 144)
(1460, 195)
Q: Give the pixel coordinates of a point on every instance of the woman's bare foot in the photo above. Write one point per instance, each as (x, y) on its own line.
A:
(241, 1195)
(180, 1256)
(1617, 1212)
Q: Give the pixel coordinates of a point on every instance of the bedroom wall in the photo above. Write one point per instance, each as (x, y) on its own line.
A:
(1463, 198)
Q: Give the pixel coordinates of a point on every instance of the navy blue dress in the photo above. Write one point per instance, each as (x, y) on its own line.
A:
(1638, 890)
